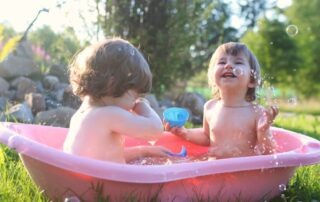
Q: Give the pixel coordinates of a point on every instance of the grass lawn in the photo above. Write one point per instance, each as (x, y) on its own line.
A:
(15, 185)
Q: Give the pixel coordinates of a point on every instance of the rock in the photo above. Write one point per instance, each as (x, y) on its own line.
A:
(59, 92)
(69, 99)
(50, 82)
(36, 102)
(59, 71)
(19, 62)
(193, 101)
(4, 103)
(20, 112)
(56, 117)
(4, 86)
(24, 86)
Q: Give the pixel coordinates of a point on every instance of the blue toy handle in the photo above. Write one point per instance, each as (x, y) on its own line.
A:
(182, 153)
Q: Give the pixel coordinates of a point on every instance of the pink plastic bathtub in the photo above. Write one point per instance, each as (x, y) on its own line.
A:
(63, 175)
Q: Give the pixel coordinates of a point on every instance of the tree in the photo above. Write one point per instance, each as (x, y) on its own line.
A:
(251, 10)
(275, 50)
(60, 46)
(305, 16)
(177, 37)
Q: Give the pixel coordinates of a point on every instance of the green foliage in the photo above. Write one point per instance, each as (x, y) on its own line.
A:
(305, 15)
(305, 124)
(300, 189)
(6, 32)
(288, 49)
(61, 47)
(176, 37)
(276, 51)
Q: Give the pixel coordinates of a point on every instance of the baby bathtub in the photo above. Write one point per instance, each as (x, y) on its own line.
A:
(62, 175)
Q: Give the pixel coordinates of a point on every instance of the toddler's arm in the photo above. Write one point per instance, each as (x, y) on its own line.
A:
(194, 135)
(266, 143)
(132, 153)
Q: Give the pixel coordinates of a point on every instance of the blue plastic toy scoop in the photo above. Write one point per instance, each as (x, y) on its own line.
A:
(176, 116)
(182, 153)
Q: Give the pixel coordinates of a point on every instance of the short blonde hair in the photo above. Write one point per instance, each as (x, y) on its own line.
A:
(109, 68)
(234, 48)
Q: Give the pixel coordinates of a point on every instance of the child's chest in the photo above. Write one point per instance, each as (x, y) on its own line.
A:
(232, 124)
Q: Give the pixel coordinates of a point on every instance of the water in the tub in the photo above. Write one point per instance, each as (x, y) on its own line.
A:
(169, 160)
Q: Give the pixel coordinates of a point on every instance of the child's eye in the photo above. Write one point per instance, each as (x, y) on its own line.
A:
(239, 63)
(221, 62)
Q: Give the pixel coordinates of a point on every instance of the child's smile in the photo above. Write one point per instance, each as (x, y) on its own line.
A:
(229, 74)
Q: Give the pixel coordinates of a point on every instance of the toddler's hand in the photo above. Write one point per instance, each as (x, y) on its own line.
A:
(140, 105)
(178, 131)
(266, 119)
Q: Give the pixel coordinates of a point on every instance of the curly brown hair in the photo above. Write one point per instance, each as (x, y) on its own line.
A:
(109, 68)
(234, 48)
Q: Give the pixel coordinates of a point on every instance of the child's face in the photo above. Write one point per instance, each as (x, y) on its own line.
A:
(232, 71)
(128, 99)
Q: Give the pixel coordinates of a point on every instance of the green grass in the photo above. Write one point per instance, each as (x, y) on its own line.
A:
(302, 123)
(15, 184)
(309, 107)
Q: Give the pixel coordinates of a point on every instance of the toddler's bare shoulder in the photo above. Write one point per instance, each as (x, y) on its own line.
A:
(210, 104)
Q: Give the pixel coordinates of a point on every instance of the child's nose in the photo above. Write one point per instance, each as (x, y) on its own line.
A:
(228, 66)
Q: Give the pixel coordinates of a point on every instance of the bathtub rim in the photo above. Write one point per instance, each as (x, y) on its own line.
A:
(156, 173)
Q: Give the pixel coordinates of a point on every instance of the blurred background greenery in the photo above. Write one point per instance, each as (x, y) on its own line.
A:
(179, 37)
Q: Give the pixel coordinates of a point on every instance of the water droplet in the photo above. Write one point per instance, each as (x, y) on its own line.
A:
(292, 30)
(293, 101)
(282, 187)
(275, 156)
(132, 51)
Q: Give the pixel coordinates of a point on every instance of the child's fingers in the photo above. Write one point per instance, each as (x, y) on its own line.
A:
(274, 111)
(166, 125)
(271, 113)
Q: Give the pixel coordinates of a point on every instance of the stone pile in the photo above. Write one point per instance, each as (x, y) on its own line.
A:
(29, 96)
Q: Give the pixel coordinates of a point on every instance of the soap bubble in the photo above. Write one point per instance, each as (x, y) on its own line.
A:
(293, 101)
(292, 30)
(237, 71)
(72, 199)
(282, 187)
